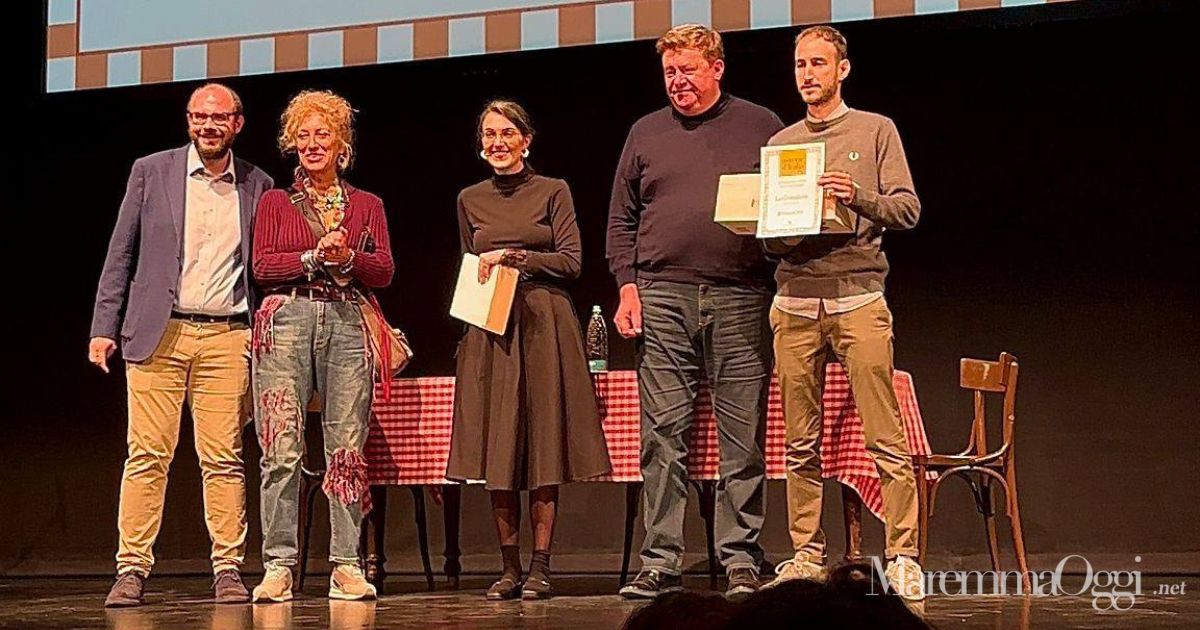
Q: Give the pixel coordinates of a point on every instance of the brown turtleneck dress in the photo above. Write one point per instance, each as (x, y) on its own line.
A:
(524, 408)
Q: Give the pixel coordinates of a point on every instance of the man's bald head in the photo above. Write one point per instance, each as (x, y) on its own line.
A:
(214, 115)
(221, 95)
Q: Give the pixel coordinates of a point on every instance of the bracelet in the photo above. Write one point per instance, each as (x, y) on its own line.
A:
(309, 260)
(349, 264)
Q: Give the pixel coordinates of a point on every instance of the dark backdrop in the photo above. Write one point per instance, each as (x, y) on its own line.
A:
(1053, 149)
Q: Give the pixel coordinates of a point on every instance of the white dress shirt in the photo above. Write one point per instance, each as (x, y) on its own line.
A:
(212, 279)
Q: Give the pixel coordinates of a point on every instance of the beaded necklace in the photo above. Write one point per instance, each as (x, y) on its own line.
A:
(331, 206)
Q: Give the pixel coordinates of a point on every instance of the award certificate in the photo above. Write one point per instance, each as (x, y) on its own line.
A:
(790, 201)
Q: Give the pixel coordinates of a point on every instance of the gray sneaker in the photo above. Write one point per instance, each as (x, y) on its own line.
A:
(127, 591)
(229, 589)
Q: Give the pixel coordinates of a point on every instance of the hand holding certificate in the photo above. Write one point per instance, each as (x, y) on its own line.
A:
(790, 201)
(485, 303)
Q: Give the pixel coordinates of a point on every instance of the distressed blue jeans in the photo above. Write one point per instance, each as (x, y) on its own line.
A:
(692, 332)
(299, 341)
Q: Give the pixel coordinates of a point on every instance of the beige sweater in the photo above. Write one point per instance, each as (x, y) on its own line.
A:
(867, 146)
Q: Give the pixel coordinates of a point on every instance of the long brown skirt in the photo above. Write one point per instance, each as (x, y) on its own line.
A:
(524, 407)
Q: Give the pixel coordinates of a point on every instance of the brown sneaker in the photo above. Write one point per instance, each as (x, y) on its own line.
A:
(228, 588)
(126, 591)
(348, 582)
(276, 585)
(743, 582)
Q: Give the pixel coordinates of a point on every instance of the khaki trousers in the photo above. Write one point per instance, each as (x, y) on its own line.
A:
(208, 365)
(862, 341)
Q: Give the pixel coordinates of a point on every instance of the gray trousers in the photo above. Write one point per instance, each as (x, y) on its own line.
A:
(690, 331)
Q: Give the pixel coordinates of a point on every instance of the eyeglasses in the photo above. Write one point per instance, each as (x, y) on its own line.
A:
(218, 118)
(508, 135)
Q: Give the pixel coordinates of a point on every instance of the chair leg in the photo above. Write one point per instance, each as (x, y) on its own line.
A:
(418, 494)
(987, 509)
(633, 492)
(310, 488)
(1014, 517)
(852, 518)
(373, 546)
(922, 512)
(452, 507)
(708, 508)
(365, 558)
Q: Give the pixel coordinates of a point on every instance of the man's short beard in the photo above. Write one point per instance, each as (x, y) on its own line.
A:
(213, 154)
(825, 96)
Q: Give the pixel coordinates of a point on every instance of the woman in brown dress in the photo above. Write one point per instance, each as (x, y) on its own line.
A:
(524, 411)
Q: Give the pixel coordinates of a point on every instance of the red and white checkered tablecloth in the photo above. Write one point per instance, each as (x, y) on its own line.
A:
(409, 443)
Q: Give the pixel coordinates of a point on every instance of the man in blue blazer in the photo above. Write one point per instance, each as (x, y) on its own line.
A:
(176, 295)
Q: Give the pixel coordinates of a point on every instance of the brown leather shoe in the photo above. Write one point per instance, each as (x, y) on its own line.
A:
(228, 588)
(127, 591)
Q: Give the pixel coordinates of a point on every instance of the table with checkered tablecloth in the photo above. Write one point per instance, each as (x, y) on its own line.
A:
(409, 442)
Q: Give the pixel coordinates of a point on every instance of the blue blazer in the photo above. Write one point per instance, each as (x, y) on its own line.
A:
(147, 242)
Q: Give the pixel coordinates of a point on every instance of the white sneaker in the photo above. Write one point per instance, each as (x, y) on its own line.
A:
(347, 581)
(798, 568)
(276, 585)
(906, 579)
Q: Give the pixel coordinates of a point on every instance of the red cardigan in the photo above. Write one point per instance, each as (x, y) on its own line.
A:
(281, 234)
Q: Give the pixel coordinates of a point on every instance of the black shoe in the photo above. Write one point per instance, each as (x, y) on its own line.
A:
(651, 583)
(743, 583)
(537, 587)
(507, 587)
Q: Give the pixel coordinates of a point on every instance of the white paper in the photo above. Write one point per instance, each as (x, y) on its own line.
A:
(473, 301)
(790, 201)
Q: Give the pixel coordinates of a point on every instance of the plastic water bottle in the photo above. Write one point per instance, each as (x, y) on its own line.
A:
(597, 342)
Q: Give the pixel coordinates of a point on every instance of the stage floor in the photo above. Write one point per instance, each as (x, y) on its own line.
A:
(587, 603)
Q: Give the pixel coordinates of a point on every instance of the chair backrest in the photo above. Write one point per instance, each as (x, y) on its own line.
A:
(991, 377)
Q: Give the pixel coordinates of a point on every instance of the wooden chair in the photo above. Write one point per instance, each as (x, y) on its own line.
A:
(981, 468)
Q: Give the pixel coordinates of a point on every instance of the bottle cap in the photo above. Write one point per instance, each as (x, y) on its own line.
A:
(596, 309)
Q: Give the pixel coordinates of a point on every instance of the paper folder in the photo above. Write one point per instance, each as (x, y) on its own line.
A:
(485, 305)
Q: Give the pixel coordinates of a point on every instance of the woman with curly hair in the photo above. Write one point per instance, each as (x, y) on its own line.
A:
(318, 247)
(524, 411)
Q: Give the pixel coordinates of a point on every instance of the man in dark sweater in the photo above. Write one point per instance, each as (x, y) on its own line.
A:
(697, 295)
(831, 298)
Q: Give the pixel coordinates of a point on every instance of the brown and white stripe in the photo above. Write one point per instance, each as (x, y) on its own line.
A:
(557, 24)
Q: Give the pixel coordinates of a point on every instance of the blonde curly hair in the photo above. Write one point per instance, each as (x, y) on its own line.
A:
(335, 110)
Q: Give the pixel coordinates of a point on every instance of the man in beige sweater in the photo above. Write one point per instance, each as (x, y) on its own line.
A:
(830, 297)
